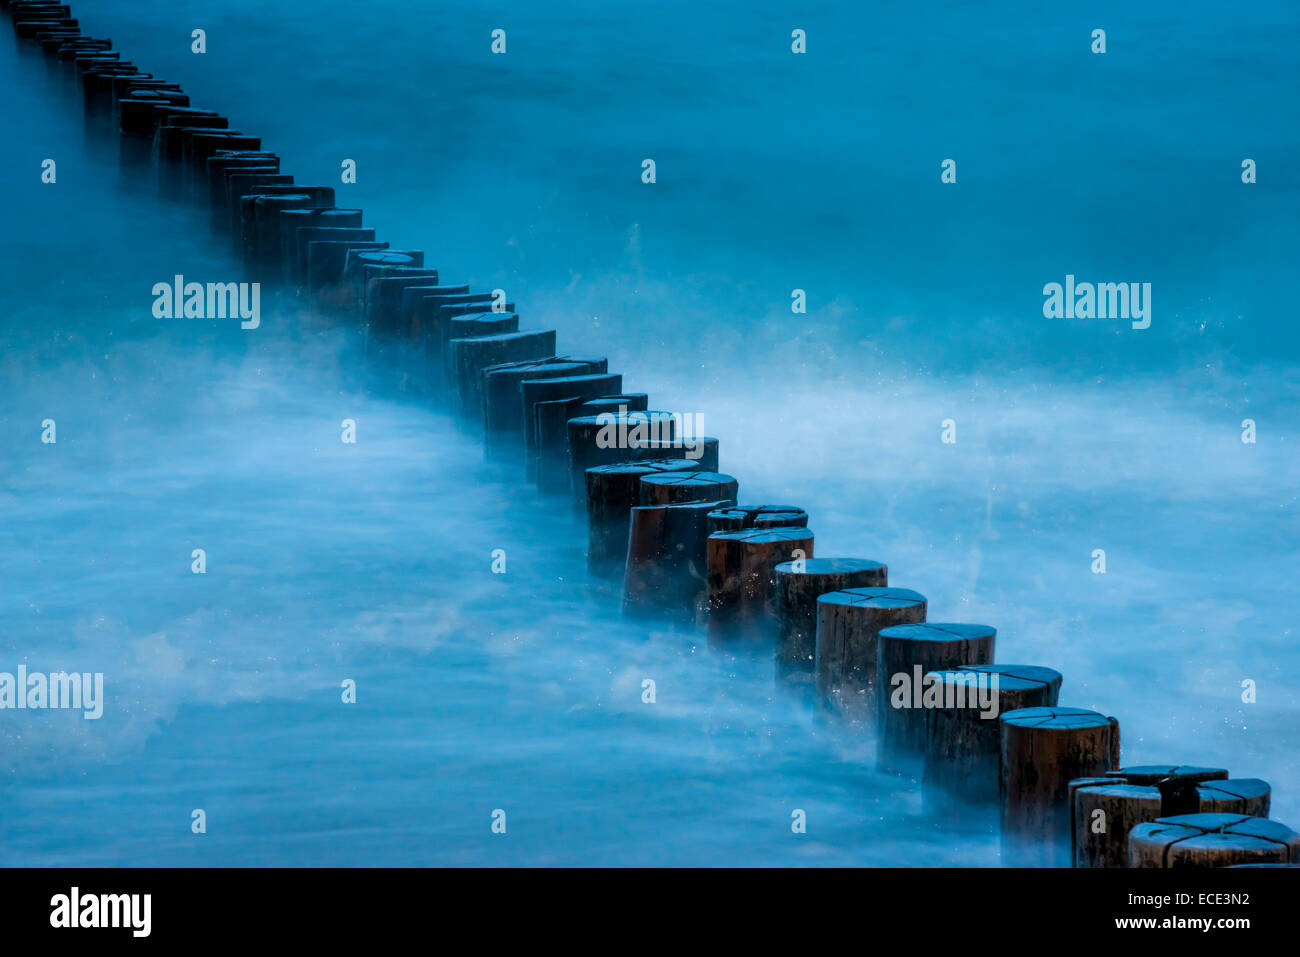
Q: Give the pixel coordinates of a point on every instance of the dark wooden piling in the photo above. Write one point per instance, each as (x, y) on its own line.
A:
(963, 743)
(1212, 840)
(227, 161)
(1102, 813)
(665, 575)
(310, 234)
(353, 286)
(262, 243)
(198, 145)
(241, 184)
(503, 411)
(551, 465)
(612, 492)
(702, 450)
(738, 517)
(905, 656)
(1177, 784)
(619, 404)
(294, 221)
(674, 488)
(533, 392)
(848, 630)
(1043, 749)
(326, 260)
(742, 580)
(1247, 796)
(798, 586)
(138, 111)
(608, 437)
(381, 295)
(471, 356)
(548, 457)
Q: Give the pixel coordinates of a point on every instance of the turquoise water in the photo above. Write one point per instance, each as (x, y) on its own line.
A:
(372, 561)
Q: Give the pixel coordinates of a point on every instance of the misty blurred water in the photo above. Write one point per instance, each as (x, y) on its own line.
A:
(523, 692)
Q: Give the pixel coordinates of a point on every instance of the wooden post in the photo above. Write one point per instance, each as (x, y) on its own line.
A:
(243, 188)
(326, 260)
(533, 391)
(848, 629)
(224, 162)
(674, 488)
(665, 571)
(625, 402)
(612, 492)
(292, 224)
(306, 235)
(503, 412)
(1177, 784)
(609, 437)
(551, 426)
(905, 655)
(1102, 812)
(1043, 749)
(1248, 796)
(471, 356)
(1212, 840)
(742, 580)
(963, 743)
(738, 517)
(798, 586)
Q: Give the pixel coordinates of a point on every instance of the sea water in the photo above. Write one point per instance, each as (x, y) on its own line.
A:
(924, 410)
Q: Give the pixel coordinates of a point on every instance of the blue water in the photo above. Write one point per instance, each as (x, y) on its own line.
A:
(775, 171)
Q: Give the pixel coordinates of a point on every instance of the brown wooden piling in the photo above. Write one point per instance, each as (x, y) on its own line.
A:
(665, 569)
(1043, 749)
(1212, 840)
(798, 586)
(905, 656)
(963, 743)
(1102, 813)
(848, 629)
(612, 492)
(738, 517)
(1247, 796)
(742, 580)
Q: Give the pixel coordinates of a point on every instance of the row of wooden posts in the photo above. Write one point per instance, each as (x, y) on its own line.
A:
(664, 519)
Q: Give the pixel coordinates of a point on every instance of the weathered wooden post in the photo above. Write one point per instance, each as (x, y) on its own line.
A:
(742, 580)
(963, 743)
(326, 260)
(665, 572)
(503, 423)
(798, 586)
(623, 402)
(533, 391)
(292, 224)
(609, 437)
(675, 488)
(1043, 750)
(1102, 813)
(1177, 784)
(263, 245)
(612, 492)
(848, 630)
(739, 517)
(1250, 797)
(471, 356)
(1212, 840)
(241, 184)
(905, 656)
(306, 235)
(223, 162)
(551, 426)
